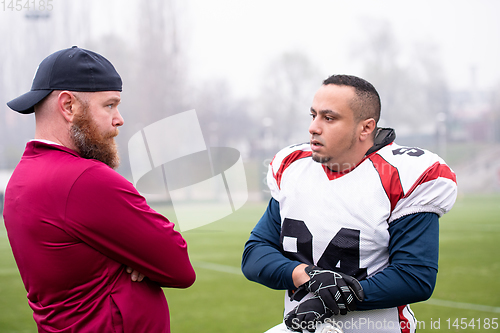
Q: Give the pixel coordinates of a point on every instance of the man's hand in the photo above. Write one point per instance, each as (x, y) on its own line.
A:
(337, 290)
(307, 315)
(135, 275)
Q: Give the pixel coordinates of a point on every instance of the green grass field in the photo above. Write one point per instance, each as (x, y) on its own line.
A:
(222, 300)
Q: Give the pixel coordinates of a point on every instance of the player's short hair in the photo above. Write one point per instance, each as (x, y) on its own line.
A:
(367, 102)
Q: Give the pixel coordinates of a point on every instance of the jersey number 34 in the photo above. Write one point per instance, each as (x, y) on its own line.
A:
(341, 254)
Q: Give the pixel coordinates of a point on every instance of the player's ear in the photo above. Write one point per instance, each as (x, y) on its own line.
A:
(367, 127)
(66, 105)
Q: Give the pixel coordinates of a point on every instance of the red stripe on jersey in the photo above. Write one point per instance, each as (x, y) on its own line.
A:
(296, 155)
(404, 324)
(432, 173)
(389, 176)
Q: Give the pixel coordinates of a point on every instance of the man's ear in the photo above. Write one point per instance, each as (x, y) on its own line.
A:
(368, 127)
(66, 105)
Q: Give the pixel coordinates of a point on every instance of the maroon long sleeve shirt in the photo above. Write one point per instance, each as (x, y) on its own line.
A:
(74, 225)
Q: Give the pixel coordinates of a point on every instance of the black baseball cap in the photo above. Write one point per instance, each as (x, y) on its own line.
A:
(72, 69)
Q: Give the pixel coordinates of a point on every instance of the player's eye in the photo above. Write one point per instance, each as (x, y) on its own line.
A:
(312, 115)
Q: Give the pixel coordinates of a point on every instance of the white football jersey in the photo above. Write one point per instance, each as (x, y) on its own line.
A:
(341, 220)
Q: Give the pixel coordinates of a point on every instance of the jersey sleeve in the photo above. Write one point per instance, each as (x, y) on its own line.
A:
(413, 264)
(106, 212)
(262, 259)
(280, 163)
(415, 181)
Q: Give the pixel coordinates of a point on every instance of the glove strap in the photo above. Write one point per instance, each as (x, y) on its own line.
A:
(309, 269)
(299, 293)
(302, 290)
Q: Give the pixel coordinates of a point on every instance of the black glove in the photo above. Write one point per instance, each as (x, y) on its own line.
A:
(337, 290)
(307, 314)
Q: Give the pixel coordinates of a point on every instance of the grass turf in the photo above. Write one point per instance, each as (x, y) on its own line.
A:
(222, 300)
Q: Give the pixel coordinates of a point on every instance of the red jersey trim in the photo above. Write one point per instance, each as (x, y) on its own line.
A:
(432, 173)
(389, 176)
(332, 175)
(404, 324)
(287, 161)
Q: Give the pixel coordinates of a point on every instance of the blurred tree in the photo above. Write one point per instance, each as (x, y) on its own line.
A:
(496, 113)
(410, 81)
(224, 119)
(289, 85)
(19, 58)
(153, 70)
(161, 74)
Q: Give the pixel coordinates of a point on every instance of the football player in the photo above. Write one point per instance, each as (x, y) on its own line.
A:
(351, 230)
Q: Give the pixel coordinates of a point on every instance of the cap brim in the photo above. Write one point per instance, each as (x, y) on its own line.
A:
(25, 103)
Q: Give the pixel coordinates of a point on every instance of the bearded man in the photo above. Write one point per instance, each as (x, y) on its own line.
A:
(77, 228)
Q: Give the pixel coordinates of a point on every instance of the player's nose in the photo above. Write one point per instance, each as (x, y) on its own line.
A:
(314, 127)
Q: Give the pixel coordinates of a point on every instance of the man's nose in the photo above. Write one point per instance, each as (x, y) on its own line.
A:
(118, 119)
(315, 127)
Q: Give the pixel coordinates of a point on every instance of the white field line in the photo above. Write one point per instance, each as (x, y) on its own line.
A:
(218, 267)
(432, 301)
(200, 264)
(237, 271)
(460, 305)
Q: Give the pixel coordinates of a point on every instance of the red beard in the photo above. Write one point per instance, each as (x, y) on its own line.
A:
(91, 143)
